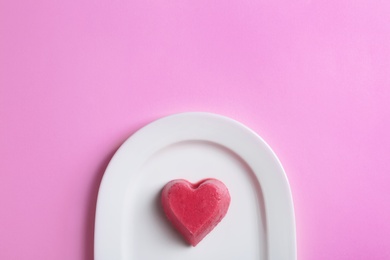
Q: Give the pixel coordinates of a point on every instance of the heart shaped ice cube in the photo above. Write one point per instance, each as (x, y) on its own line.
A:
(195, 209)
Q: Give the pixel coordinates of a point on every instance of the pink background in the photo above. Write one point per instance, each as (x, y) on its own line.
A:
(78, 77)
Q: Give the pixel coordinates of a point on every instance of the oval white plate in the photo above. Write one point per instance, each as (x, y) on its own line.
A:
(129, 221)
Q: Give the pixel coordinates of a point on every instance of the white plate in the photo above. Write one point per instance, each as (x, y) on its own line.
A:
(260, 221)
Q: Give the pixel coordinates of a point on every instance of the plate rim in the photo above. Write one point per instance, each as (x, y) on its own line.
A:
(273, 251)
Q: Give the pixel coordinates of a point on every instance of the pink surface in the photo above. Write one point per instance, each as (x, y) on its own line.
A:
(78, 77)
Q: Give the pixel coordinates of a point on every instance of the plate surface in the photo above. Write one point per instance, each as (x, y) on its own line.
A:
(130, 223)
